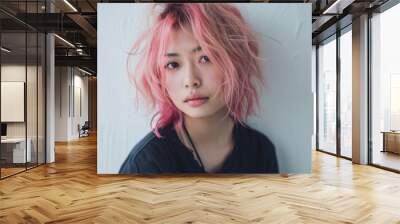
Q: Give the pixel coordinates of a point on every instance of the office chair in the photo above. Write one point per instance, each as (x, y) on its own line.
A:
(84, 130)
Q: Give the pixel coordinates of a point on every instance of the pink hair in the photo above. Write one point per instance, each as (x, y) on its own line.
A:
(227, 41)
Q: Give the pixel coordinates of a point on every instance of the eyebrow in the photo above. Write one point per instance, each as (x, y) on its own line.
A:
(196, 49)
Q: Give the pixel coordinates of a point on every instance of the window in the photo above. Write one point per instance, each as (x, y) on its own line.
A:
(385, 88)
(327, 96)
(346, 93)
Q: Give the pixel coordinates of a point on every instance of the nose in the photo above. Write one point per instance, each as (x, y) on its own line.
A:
(192, 78)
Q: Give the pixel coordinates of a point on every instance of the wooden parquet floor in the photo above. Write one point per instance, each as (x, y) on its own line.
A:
(70, 191)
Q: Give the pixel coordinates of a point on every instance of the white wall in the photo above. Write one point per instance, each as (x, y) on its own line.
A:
(68, 81)
(33, 127)
(12, 73)
(286, 102)
(80, 84)
(17, 72)
(12, 100)
(61, 103)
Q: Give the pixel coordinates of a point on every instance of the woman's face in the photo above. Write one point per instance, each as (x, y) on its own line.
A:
(193, 82)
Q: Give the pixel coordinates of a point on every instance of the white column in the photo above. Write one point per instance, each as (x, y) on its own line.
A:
(50, 110)
(50, 92)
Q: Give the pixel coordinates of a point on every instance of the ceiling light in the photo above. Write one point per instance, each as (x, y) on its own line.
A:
(70, 5)
(335, 7)
(331, 7)
(65, 41)
(5, 50)
(84, 71)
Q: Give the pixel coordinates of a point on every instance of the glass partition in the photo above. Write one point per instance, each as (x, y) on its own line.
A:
(22, 78)
(31, 100)
(13, 105)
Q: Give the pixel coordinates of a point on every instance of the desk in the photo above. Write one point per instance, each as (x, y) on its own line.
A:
(15, 148)
(391, 141)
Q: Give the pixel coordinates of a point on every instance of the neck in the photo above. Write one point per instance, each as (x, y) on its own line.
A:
(216, 130)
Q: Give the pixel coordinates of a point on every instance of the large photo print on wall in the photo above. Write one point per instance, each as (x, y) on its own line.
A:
(204, 88)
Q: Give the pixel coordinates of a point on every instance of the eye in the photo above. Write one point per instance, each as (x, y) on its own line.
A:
(204, 59)
(171, 65)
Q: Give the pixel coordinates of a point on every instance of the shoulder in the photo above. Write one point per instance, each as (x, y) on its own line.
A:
(256, 137)
(259, 144)
(149, 155)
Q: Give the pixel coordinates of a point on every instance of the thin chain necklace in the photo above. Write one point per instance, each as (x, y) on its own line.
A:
(193, 146)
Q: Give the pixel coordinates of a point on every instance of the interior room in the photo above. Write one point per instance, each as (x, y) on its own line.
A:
(50, 139)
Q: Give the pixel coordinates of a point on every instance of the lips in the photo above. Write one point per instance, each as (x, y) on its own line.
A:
(196, 101)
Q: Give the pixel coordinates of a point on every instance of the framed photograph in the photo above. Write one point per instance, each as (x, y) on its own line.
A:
(204, 88)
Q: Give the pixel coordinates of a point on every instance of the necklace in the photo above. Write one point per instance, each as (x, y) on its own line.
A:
(193, 146)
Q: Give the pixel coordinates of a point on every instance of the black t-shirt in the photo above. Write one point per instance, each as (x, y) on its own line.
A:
(253, 152)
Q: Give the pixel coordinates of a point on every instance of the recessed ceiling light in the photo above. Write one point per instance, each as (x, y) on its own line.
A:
(70, 5)
(64, 40)
(84, 71)
(5, 50)
(337, 7)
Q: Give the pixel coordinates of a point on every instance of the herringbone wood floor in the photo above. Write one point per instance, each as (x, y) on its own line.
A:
(70, 191)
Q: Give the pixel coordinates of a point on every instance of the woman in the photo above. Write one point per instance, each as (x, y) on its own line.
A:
(199, 69)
